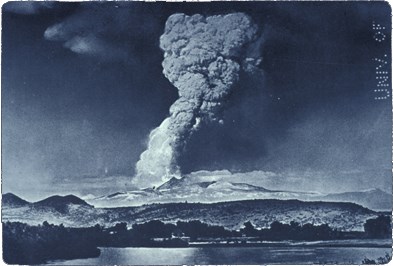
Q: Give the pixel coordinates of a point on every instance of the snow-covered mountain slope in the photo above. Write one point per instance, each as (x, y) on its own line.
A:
(194, 190)
(232, 215)
(209, 189)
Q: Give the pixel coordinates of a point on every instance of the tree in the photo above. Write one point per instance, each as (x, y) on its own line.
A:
(120, 227)
(249, 229)
(379, 227)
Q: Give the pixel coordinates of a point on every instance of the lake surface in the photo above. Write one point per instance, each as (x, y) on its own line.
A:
(231, 255)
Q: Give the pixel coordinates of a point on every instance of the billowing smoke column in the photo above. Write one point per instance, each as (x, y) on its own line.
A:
(202, 59)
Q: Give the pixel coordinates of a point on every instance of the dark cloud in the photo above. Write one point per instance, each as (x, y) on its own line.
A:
(316, 59)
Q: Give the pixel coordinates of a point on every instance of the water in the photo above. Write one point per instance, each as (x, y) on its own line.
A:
(231, 255)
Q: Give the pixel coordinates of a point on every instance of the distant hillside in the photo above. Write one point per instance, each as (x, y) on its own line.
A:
(60, 203)
(374, 199)
(10, 200)
(56, 203)
(344, 216)
(232, 215)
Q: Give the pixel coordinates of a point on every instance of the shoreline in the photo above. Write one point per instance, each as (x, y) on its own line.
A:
(372, 243)
(338, 245)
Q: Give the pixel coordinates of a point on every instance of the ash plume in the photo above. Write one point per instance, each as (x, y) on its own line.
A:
(203, 57)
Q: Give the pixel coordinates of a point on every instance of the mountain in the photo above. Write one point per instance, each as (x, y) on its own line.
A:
(209, 189)
(171, 184)
(11, 200)
(232, 215)
(60, 203)
(374, 199)
(193, 189)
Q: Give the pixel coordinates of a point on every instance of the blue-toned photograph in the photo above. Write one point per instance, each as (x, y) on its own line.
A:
(181, 133)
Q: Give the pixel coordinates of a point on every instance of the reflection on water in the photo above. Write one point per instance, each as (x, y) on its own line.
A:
(231, 255)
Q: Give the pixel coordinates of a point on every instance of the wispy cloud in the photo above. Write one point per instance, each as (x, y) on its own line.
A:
(110, 31)
(27, 7)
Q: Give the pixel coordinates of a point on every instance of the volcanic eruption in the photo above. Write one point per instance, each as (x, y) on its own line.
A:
(203, 57)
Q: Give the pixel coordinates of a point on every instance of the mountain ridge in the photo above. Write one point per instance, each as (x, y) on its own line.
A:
(374, 198)
(207, 190)
(56, 202)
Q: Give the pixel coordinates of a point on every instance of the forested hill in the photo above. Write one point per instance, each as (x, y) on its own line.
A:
(232, 215)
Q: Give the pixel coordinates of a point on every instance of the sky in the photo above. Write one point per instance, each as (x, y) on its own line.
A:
(82, 87)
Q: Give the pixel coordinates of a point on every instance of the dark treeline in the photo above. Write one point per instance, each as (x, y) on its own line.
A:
(24, 244)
